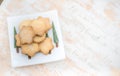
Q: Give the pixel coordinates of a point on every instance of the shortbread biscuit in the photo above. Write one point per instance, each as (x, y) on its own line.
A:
(46, 46)
(25, 23)
(39, 39)
(26, 35)
(30, 49)
(38, 27)
(46, 21)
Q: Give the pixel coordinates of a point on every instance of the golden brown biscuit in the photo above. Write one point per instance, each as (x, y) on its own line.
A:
(41, 25)
(26, 35)
(38, 27)
(17, 40)
(46, 21)
(25, 23)
(46, 46)
(39, 39)
(48, 25)
(30, 49)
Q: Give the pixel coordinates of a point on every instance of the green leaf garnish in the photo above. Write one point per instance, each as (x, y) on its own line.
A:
(55, 37)
(14, 38)
(17, 48)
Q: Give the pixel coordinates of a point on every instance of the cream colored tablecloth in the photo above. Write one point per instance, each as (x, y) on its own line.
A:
(91, 34)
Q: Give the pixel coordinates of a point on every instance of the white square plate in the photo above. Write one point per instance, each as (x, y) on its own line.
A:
(19, 59)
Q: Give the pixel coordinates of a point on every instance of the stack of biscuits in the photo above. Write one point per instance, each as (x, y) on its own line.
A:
(32, 36)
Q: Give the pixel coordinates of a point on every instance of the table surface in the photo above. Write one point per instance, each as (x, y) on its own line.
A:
(91, 35)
